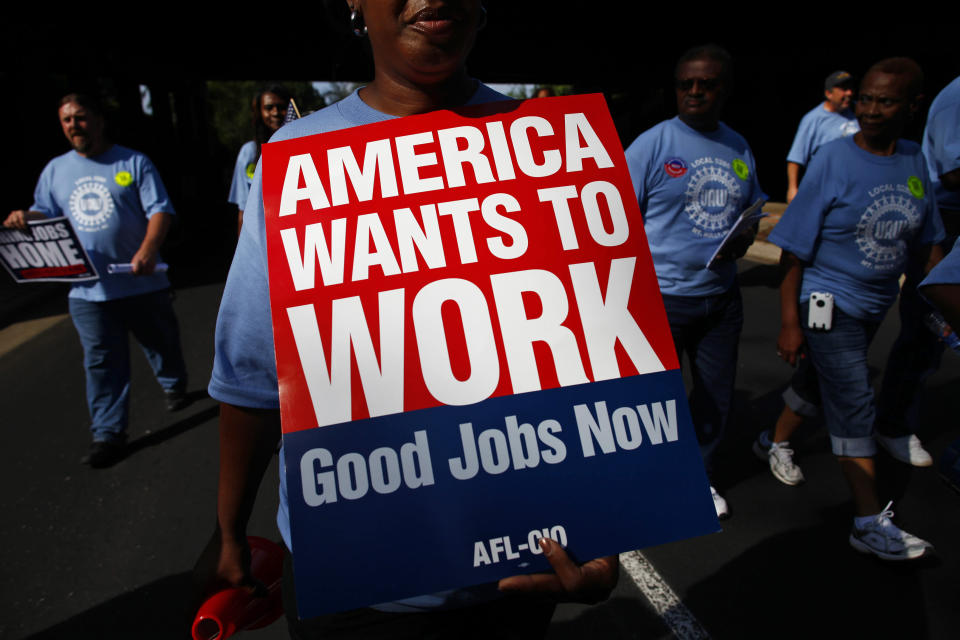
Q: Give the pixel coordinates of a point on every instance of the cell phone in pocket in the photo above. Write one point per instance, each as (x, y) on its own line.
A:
(821, 311)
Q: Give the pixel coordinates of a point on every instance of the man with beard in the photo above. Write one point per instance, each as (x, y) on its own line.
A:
(120, 211)
(825, 122)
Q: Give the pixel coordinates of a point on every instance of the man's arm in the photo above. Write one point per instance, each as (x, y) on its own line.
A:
(18, 219)
(793, 179)
(145, 259)
(248, 441)
(791, 335)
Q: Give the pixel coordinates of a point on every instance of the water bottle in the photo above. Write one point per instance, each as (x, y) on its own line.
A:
(942, 330)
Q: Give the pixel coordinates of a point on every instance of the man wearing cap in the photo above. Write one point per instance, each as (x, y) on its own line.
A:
(827, 121)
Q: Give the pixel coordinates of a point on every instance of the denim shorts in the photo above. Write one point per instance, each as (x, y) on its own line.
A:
(840, 358)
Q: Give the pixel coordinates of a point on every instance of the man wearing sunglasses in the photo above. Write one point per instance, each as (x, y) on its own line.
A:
(693, 176)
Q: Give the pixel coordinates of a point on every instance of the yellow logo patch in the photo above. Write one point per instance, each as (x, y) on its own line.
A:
(740, 168)
(915, 185)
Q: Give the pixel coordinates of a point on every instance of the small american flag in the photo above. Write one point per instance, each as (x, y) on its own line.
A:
(292, 112)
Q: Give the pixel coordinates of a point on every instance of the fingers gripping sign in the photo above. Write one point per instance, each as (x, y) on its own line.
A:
(588, 583)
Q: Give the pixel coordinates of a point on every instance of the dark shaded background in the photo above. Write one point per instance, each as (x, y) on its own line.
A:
(780, 67)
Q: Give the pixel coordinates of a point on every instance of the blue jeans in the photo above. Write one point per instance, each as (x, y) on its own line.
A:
(840, 358)
(803, 394)
(708, 330)
(103, 327)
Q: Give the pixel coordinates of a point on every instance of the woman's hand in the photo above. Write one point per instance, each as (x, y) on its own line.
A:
(587, 583)
(789, 343)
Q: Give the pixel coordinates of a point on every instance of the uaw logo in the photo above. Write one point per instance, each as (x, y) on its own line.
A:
(884, 230)
(675, 167)
(91, 204)
(712, 198)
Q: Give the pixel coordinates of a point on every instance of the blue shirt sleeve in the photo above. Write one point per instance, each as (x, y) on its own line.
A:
(799, 228)
(932, 231)
(800, 149)
(638, 157)
(153, 195)
(240, 185)
(948, 271)
(946, 145)
(43, 201)
(756, 191)
(244, 365)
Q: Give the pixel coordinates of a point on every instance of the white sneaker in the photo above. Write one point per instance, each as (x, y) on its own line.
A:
(886, 540)
(782, 466)
(906, 449)
(723, 511)
(780, 457)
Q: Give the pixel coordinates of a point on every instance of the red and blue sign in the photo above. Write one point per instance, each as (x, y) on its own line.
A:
(472, 352)
(675, 167)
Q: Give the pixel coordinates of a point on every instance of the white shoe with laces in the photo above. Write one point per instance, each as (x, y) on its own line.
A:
(886, 540)
(780, 457)
(723, 511)
(782, 465)
(907, 449)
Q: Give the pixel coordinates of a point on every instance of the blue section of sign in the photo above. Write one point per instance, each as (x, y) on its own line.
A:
(644, 484)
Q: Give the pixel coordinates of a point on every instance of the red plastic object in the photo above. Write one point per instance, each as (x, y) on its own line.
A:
(231, 610)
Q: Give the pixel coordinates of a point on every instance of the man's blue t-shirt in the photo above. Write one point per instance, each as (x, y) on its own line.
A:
(108, 198)
(856, 219)
(692, 187)
(243, 172)
(941, 142)
(244, 367)
(817, 128)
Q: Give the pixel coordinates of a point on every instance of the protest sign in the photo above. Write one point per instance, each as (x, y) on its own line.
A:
(48, 251)
(472, 352)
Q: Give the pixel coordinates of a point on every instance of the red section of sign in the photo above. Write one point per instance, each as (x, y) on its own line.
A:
(53, 272)
(465, 233)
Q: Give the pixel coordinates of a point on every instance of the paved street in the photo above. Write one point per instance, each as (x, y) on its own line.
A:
(107, 554)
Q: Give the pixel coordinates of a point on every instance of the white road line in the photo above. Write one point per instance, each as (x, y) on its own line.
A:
(665, 602)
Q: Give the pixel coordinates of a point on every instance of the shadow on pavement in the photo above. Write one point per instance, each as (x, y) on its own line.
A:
(175, 429)
(618, 617)
(156, 610)
(806, 584)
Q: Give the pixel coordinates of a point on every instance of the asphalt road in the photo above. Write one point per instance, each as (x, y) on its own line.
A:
(107, 554)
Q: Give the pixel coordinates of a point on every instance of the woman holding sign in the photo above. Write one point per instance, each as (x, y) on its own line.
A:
(419, 52)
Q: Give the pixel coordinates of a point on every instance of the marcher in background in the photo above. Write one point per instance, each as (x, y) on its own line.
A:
(864, 210)
(693, 176)
(827, 121)
(267, 112)
(916, 354)
(941, 148)
(120, 211)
